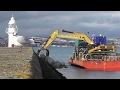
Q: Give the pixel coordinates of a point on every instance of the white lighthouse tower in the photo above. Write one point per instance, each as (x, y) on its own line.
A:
(12, 30)
(14, 39)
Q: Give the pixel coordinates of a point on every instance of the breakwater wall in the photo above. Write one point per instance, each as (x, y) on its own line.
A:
(24, 63)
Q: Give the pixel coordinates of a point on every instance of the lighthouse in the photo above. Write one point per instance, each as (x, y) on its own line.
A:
(14, 39)
(12, 30)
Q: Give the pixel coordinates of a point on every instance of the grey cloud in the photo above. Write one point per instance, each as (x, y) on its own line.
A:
(40, 23)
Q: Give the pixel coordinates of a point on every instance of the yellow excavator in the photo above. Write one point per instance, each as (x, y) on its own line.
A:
(91, 47)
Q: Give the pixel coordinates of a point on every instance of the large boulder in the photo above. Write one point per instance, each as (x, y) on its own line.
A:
(51, 61)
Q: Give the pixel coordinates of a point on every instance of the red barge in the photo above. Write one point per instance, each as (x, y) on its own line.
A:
(98, 65)
(102, 58)
(93, 53)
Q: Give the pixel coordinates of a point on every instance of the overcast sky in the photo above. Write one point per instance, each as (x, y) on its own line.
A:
(43, 23)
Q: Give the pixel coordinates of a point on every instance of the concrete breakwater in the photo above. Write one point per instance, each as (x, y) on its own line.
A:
(24, 63)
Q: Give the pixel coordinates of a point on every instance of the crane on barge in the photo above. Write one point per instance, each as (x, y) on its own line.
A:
(87, 51)
(91, 46)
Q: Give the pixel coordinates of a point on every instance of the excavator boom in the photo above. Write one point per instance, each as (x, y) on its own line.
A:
(69, 35)
(49, 41)
(77, 36)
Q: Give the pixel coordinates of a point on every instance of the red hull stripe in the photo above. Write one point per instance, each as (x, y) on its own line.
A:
(98, 65)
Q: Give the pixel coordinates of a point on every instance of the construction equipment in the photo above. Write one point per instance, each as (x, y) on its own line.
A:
(90, 53)
(90, 48)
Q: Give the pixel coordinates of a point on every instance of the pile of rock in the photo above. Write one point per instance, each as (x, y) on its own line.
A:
(51, 61)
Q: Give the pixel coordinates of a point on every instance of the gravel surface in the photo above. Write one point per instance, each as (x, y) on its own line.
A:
(17, 63)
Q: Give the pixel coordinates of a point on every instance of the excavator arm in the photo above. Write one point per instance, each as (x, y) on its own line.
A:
(77, 36)
(69, 35)
(49, 41)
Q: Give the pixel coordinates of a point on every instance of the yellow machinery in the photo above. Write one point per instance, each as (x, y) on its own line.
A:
(93, 49)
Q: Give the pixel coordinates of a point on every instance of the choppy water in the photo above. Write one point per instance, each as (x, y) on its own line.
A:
(63, 54)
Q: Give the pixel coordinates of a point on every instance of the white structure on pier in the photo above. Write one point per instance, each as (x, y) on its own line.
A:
(14, 40)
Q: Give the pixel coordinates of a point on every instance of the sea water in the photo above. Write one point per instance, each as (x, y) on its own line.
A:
(64, 53)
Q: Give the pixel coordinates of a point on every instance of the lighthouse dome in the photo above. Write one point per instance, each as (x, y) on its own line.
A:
(12, 20)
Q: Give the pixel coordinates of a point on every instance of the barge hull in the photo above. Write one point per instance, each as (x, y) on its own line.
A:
(98, 65)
